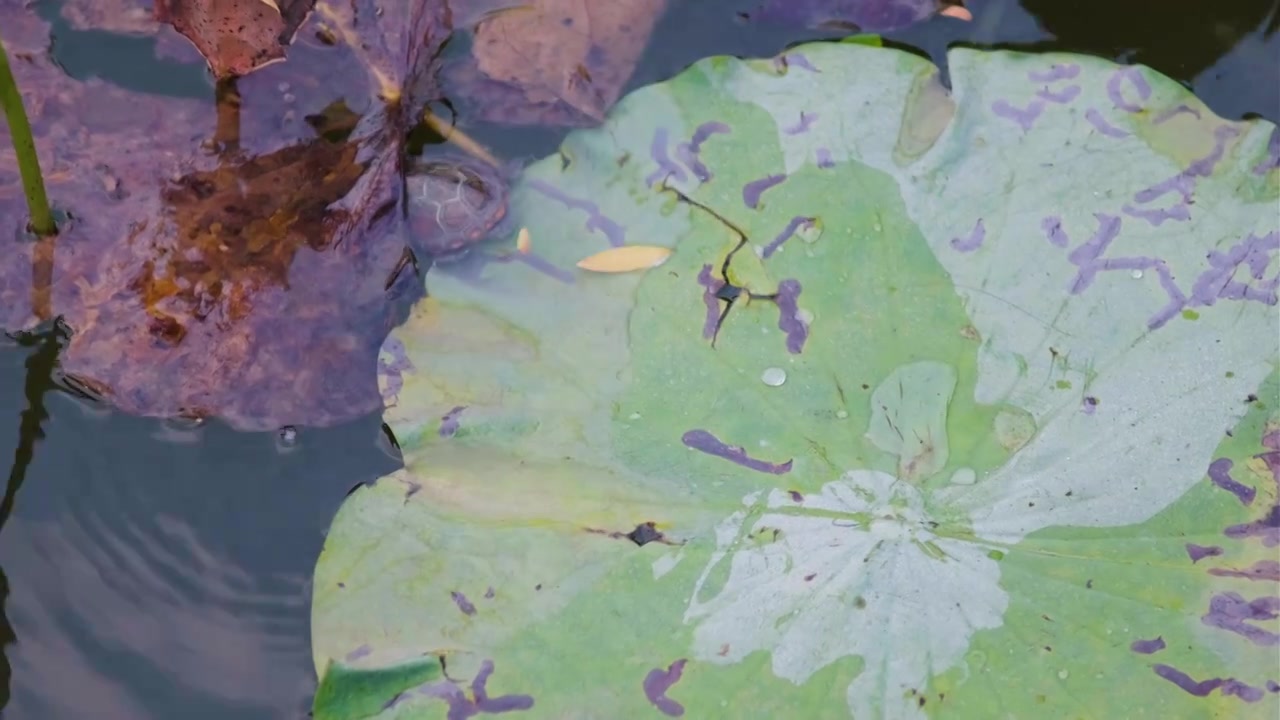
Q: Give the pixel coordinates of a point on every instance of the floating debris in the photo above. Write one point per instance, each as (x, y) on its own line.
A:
(773, 377)
(626, 259)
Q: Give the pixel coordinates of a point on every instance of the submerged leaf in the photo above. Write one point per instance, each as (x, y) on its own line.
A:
(950, 403)
(236, 37)
(554, 62)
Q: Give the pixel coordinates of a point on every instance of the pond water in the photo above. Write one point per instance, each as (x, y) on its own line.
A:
(153, 569)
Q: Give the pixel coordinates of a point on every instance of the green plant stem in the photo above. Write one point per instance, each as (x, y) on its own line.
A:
(24, 147)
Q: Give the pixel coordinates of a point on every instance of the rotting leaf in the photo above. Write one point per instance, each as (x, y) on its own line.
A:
(236, 37)
(249, 282)
(560, 62)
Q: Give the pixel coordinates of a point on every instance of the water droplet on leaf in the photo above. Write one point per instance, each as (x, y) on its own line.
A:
(1135, 274)
(774, 377)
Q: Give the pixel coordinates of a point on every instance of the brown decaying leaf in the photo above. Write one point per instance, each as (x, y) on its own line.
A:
(235, 36)
(248, 284)
(560, 62)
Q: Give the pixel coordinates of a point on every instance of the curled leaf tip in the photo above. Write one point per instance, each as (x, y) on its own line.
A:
(626, 259)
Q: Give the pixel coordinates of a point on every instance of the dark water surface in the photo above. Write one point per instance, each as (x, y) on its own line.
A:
(161, 570)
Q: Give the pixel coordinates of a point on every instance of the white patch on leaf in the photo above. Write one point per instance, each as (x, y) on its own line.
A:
(852, 571)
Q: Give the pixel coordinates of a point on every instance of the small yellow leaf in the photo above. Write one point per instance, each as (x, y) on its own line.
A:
(522, 241)
(626, 259)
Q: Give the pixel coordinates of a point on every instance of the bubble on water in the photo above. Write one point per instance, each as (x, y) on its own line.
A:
(1135, 274)
(288, 436)
(842, 414)
(774, 377)
(805, 317)
(635, 416)
(759, 251)
(1062, 674)
(964, 476)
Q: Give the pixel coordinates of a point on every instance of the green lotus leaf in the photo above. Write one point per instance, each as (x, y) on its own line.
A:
(948, 403)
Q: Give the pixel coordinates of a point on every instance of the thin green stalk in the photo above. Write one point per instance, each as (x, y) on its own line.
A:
(24, 147)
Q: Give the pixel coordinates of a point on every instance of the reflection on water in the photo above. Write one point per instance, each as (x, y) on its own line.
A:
(159, 569)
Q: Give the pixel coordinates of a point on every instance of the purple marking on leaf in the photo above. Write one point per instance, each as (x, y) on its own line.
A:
(1273, 686)
(1205, 165)
(1058, 71)
(711, 286)
(752, 191)
(824, 159)
(688, 152)
(1217, 283)
(465, 605)
(973, 241)
(1146, 647)
(1135, 78)
(1180, 183)
(595, 221)
(1272, 161)
(796, 223)
(1231, 612)
(703, 441)
(1248, 693)
(1184, 681)
(1200, 552)
(1025, 117)
(1272, 440)
(488, 594)
(666, 168)
(1267, 528)
(358, 653)
(1053, 232)
(1173, 112)
(1085, 257)
(1089, 405)
(1260, 570)
(1101, 124)
(787, 300)
(1180, 212)
(658, 682)
(1061, 97)
(1202, 688)
(803, 125)
(449, 421)
(461, 707)
(1220, 474)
